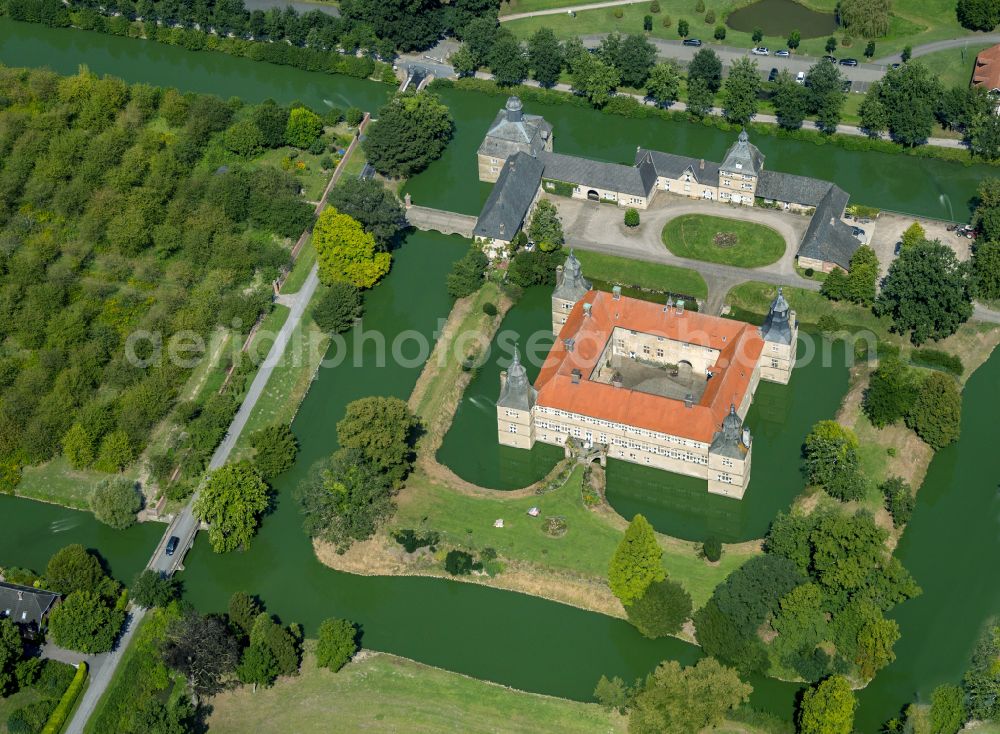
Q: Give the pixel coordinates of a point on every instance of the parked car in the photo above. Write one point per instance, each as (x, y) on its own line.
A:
(848, 62)
(692, 41)
(172, 544)
(783, 52)
(831, 59)
(773, 75)
(895, 65)
(899, 246)
(800, 78)
(760, 51)
(859, 233)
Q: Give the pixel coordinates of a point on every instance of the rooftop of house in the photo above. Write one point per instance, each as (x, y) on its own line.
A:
(986, 74)
(637, 180)
(509, 200)
(512, 131)
(743, 157)
(669, 165)
(25, 604)
(562, 382)
(828, 238)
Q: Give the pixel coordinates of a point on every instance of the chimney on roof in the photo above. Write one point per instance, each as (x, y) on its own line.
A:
(575, 374)
(616, 292)
(503, 379)
(570, 343)
(701, 164)
(502, 228)
(669, 305)
(586, 309)
(689, 401)
(680, 308)
(559, 275)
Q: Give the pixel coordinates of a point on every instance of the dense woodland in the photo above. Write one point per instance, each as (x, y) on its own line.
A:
(123, 212)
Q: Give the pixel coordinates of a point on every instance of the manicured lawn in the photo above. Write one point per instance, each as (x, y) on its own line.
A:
(290, 380)
(754, 298)
(300, 271)
(56, 481)
(625, 271)
(587, 546)
(696, 236)
(953, 66)
(384, 693)
(10, 704)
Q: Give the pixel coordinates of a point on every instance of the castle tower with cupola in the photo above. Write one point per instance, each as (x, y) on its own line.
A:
(780, 332)
(571, 286)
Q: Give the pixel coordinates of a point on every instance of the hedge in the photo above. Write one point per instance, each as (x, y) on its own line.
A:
(559, 188)
(628, 106)
(67, 702)
(936, 359)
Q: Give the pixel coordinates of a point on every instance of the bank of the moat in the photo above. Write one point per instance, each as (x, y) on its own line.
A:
(512, 638)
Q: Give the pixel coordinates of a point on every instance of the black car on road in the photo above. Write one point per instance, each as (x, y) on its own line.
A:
(692, 41)
(848, 62)
(172, 544)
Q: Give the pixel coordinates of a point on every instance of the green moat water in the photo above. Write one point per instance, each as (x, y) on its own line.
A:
(513, 638)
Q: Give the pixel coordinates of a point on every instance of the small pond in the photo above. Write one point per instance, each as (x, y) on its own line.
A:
(781, 17)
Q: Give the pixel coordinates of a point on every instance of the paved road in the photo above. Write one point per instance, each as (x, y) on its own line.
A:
(929, 48)
(569, 9)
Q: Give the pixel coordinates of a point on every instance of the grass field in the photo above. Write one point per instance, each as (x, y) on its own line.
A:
(694, 235)
(755, 297)
(914, 22)
(56, 481)
(384, 693)
(10, 704)
(625, 271)
(586, 548)
(953, 66)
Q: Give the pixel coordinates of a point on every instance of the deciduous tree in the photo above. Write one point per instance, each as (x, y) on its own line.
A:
(545, 57)
(346, 252)
(739, 95)
(115, 502)
(303, 127)
(936, 414)
(664, 83)
(595, 79)
(85, 622)
(686, 700)
(231, 502)
(154, 589)
(927, 292)
(828, 708)
(339, 305)
(891, 392)
(383, 430)
(202, 649)
(373, 205)
(790, 101)
(275, 449)
(466, 274)
(337, 643)
(707, 66)
(831, 460)
(546, 229)
(508, 61)
(408, 133)
(661, 610)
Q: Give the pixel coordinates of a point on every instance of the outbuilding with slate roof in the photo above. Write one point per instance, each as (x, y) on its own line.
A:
(26, 606)
(512, 132)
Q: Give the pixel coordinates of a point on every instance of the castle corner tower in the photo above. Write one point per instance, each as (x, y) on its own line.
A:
(571, 286)
(780, 332)
(515, 416)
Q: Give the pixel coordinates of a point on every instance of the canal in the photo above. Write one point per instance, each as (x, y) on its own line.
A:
(903, 183)
(507, 637)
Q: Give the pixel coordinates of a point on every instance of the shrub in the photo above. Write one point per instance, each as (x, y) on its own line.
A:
(661, 610)
(937, 359)
(809, 272)
(338, 641)
(339, 306)
(654, 7)
(458, 563)
(720, 33)
(66, 703)
(490, 309)
(710, 17)
(353, 116)
(631, 217)
(115, 502)
(828, 323)
(31, 719)
(411, 541)
(667, 21)
(936, 414)
(699, 7)
(712, 548)
(619, 13)
(899, 500)
(275, 449)
(647, 22)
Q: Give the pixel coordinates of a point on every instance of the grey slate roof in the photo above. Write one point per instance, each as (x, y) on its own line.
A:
(24, 604)
(789, 187)
(828, 238)
(508, 202)
(776, 326)
(673, 166)
(728, 442)
(571, 285)
(743, 157)
(512, 131)
(611, 176)
(517, 392)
